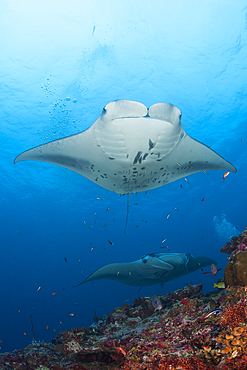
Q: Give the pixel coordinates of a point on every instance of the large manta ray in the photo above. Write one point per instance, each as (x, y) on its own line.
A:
(154, 268)
(131, 148)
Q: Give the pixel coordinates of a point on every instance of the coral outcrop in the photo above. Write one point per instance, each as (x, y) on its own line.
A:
(192, 331)
(237, 243)
(236, 270)
(184, 334)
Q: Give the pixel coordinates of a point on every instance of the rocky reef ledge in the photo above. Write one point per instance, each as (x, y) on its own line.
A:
(192, 331)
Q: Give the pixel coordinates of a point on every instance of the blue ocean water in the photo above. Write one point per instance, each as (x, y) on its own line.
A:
(61, 63)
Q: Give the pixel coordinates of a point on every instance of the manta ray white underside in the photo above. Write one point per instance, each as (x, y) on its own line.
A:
(131, 148)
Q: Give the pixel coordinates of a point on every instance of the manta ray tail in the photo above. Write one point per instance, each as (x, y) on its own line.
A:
(128, 209)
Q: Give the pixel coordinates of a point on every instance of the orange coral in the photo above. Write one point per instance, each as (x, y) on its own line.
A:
(235, 343)
(233, 316)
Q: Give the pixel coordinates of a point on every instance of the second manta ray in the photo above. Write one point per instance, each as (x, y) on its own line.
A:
(131, 148)
(154, 268)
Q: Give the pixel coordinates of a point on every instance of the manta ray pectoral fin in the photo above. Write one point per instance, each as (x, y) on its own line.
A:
(200, 157)
(112, 271)
(63, 152)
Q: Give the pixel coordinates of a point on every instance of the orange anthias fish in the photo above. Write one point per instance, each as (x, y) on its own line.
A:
(225, 175)
(120, 350)
(213, 271)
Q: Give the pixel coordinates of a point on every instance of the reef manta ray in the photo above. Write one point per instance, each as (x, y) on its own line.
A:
(131, 148)
(154, 268)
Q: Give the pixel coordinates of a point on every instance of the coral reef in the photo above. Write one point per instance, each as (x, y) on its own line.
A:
(238, 243)
(192, 331)
(233, 316)
(236, 269)
(179, 336)
(235, 342)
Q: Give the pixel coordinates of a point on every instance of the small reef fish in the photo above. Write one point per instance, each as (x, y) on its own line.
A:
(53, 293)
(213, 312)
(186, 334)
(203, 199)
(220, 285)
(72, 314)
(110, 242)
(213, 271)
(225, 175)
(168, 215)
(120, 350)
(157, 303)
